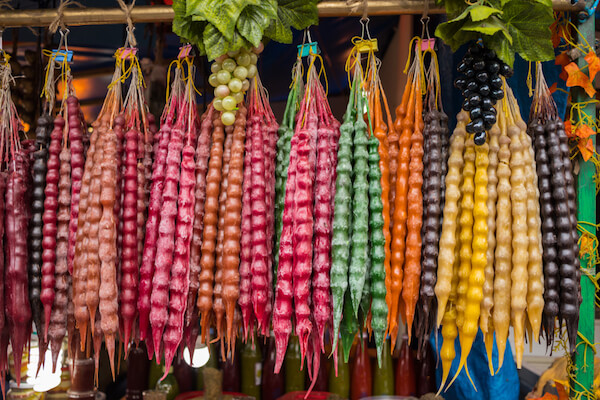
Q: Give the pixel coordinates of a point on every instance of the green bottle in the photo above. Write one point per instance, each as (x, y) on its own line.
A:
(155, 373)
(169, 385)
(251, 369)
(211, 363)
(383, 380)
(294, 377)
(340, 384)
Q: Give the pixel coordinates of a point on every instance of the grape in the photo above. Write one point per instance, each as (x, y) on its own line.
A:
(229, 65)
(484, 90)
(253, 58)
(239, 97)
(479, 138)
(221, 58)
(482, 76)
(243, 59)
(259, 49)
(213, 80)
(252, 71)
(476, 112)
(472, 85)
(245, 85)
(460, 83)
(479, 65)
(218, 104)
(228, 118)
(222, 91)
(215, 67)
(475, 126)
(496, 82)
(229, 103)
(223, 77)
(470, 73)
(241, 72)
(494, 67)
(233, 53)
(235, 85)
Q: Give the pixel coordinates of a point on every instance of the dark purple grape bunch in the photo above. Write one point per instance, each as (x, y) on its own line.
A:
(481, 86)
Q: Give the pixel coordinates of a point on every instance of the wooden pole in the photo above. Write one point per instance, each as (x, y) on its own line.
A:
(586, 212)
(162, 13)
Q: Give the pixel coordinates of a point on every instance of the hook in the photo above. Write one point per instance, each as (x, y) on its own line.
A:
(364, 22)
(425, 26)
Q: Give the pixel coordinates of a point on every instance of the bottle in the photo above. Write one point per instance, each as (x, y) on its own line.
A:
(211, 363)
(155, 373)
(185, 375)
(361, 373)
(426, 371)
(294, 377)
(273, 385)
(322, 377)
(251, 369)
(405, 372)
(231, 373)
(340, 384)
(383, 381)
(138, 367)
(169, 385)
(82, 379)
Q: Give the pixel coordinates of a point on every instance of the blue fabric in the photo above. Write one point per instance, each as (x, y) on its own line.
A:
(504, 385)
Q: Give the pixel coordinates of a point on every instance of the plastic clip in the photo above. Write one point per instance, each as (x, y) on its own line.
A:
(426, 44)
(367, 45)
(59, 55)
(305, 50)
(127, 52)
(185, 51)
(588, 11)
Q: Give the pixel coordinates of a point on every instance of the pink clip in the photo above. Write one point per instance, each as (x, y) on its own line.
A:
(184, 51)
(426, 44)
(127, 52)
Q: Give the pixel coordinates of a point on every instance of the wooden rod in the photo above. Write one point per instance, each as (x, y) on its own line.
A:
(162, 13)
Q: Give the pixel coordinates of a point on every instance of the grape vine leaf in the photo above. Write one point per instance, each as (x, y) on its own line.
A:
(480, 12)
(254, 20)
(488, 27)
(185, 28)
(299, 14)
(529, 23)
(502, 47)
(215, 44)
(222, 14)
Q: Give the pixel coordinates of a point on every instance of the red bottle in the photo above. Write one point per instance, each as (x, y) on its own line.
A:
(426, 371)
(406, 384)
(361, 373)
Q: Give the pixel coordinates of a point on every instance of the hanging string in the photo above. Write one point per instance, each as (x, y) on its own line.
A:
(60, 13)
(130, 41)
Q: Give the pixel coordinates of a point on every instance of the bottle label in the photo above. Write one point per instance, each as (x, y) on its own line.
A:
(257, 374)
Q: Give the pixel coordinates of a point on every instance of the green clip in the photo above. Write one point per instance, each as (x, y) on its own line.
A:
(305, 50)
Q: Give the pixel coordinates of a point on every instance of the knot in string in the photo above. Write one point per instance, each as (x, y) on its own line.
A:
(58, 21)
(127, 9)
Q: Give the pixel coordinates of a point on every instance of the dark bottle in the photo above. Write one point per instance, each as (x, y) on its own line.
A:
(273, 385)
(383, 379)
(232, 379)
(340, 384)
(185, 375)
(294, 377)
(321, 385)
(361, 373)
(426, 372)
(405, 372)
(251, 369)
(138, 367)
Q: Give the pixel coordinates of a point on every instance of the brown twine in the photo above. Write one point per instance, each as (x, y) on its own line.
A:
(356, 4)
(60, 13)
(127, 10)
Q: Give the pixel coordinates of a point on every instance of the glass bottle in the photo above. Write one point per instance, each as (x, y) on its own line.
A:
(273, 385)
(251, 369)
(383, 380)
(340, 384)
(294, 377)
(405, 372)
(361, 373)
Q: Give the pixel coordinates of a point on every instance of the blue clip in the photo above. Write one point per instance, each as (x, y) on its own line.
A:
(60, 55)
(305, 50)
(587, 11)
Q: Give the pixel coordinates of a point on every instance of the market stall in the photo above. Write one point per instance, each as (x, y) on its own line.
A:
(236, 245)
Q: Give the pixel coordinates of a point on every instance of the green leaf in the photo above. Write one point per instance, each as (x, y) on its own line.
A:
(216, 44)
(529, 23)
(502, 47)
(255, 19)
(488, 27)
(299, 14)
(448, 33)
(453, 7)
(479, 12)
(185, 28)
(222, 14)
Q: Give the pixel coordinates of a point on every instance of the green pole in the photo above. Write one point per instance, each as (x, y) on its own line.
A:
(586, 212)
